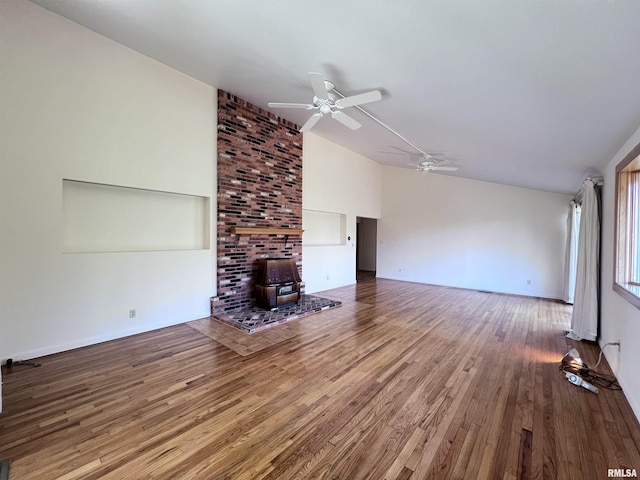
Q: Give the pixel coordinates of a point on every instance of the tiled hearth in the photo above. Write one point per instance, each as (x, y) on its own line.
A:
(253, 319)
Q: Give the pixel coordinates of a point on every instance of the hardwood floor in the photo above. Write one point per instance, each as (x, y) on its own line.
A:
(403, 381)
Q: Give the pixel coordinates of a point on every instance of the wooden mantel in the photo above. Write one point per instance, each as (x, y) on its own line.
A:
(266, 231)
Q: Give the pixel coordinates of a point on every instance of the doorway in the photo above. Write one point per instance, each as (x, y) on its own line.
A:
(366, 241)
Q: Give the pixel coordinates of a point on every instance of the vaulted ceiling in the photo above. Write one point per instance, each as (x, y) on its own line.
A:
(531, 93)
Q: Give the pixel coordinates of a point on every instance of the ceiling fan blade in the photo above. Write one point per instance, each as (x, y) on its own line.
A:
(368, 97)
(436, 156)
(319, 88)
(346, 120)
(311, 122)
(441, 163)
(401, 151)
(443, 169)
(440, 158)
(290, 105)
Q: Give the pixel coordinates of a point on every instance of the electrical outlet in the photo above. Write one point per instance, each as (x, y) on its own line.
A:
(132, 313)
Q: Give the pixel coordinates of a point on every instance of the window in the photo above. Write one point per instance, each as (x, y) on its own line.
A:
(627, 228)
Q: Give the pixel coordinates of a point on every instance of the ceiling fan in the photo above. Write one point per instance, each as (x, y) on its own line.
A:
(327, 103)
(427, 162)
(431, 164)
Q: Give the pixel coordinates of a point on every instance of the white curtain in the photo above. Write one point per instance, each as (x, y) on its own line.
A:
(633, 227)
(571, 251)
(584, 321)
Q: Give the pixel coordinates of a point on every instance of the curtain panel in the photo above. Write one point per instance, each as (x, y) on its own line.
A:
(633, 226)
(584, 320)
(571, 252)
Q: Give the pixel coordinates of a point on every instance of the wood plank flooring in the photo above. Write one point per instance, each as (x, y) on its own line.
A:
(403, 381)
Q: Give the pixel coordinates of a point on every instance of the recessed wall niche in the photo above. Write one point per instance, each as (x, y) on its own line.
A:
(110, 218)
(323, 228)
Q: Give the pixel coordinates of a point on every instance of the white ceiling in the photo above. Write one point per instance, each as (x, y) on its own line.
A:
(532, 93)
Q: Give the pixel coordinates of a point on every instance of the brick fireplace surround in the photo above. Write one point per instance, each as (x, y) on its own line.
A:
(259, 185)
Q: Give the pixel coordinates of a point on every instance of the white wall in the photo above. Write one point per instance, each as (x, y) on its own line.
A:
(336, 180)
(74, 104)
(445, 230)
(620, 321)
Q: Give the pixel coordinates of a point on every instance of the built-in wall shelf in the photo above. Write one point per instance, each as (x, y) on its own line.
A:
(266, 231)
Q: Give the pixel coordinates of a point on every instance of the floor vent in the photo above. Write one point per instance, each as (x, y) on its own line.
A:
(4, 469)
